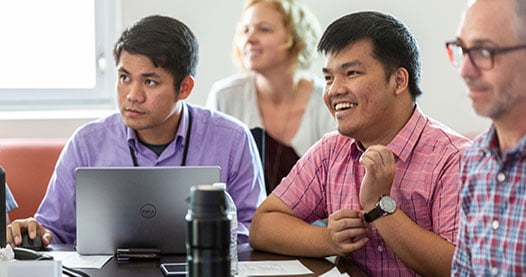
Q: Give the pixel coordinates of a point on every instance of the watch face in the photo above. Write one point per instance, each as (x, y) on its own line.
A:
(387, 204)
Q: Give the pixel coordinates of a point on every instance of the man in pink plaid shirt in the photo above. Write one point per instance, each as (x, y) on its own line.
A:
(387, 180)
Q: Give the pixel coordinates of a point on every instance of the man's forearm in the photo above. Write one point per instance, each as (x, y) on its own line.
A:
(285, 234)
(423, 251)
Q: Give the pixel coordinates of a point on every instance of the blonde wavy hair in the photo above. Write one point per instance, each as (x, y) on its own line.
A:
(302, 26)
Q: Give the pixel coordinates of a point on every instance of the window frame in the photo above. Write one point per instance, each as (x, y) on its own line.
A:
(100, 97)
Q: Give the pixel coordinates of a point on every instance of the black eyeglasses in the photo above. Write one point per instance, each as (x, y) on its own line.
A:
(482, 57)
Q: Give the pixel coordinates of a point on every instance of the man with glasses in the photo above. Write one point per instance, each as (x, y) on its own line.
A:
(490, 53)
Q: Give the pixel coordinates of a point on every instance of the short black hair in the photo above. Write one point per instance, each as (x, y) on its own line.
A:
(166, 41)
(393, 43)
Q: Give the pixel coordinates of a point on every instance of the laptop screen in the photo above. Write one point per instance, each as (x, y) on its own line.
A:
(135, 207)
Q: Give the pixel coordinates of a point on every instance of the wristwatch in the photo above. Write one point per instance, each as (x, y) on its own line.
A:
(385, 206)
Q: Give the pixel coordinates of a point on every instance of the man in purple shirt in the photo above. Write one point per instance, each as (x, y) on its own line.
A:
(387, 180)
(156, 60)
(490, 54)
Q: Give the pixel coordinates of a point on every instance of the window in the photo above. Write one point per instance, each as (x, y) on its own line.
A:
(56, 54)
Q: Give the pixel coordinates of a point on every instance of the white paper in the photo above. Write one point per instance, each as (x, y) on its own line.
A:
(7, 254)
(73, 259)
(334, 272)
(272, 268)
(331, 259)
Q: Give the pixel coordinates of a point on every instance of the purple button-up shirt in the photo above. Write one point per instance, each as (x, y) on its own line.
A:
(216, 139)
(10, 202)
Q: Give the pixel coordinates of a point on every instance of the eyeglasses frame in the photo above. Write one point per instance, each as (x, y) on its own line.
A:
(493, 51)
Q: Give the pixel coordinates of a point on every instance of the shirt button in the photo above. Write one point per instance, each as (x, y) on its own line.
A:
(501, 177)
(380, 249)
(494, 271)
(495, 224)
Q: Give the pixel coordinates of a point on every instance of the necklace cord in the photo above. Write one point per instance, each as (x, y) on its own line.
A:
(186, 144)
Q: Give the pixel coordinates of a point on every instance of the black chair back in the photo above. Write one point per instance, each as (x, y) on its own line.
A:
(259, 136)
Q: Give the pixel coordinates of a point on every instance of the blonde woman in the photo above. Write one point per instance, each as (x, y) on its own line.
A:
(274, 44)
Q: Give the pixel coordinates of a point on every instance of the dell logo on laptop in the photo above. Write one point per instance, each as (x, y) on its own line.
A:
(148, 211)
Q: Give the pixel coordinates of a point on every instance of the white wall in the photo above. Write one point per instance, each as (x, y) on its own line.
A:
(213, 22)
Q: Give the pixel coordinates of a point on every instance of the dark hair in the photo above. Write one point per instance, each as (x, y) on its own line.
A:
(166, 41)
(393, 44)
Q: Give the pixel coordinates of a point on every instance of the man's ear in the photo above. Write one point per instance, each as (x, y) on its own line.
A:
(401, 78)
(186, 87)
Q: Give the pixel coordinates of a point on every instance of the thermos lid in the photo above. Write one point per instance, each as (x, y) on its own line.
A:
(207, 200)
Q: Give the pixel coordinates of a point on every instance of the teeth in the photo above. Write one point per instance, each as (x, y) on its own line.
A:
(253, 52)
(341, 106)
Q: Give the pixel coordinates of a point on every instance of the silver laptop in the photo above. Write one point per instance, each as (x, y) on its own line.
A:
(135, 207)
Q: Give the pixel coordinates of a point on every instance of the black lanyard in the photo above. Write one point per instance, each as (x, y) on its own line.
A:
(186, 143)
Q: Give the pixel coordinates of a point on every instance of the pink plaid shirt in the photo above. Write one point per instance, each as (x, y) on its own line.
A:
(426, 185)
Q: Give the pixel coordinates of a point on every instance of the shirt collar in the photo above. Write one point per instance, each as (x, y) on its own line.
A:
(490, 143)
(406, 139)
(184, 124)
(180, 135)
(132, 137)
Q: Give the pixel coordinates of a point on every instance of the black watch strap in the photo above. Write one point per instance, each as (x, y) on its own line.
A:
(385, 206)
(373, 214)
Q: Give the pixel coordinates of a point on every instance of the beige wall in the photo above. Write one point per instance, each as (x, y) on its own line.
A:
(433, 23)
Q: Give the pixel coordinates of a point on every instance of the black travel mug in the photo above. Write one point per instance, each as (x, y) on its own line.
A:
(208, 233)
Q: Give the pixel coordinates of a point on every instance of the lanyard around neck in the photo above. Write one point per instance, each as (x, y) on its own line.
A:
(186, 143)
